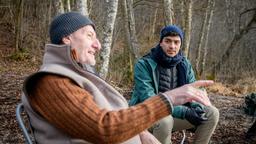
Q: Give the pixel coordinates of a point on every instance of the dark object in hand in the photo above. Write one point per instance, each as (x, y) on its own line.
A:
(195, 115)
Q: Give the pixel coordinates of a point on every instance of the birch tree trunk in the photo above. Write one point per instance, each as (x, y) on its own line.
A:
(168, 12)
(202, 37)
(205, 48)
(188, 20)
(131, 38)
(58, 7)
(89, 6)
(81, 6)
(107, 36)
(66, 6)
(133, 41)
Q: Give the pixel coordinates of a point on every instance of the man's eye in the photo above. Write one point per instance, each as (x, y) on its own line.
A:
(89, 35)
(167, 41)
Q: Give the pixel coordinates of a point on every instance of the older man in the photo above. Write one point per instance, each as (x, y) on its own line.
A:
(163, 69)
(67, 103)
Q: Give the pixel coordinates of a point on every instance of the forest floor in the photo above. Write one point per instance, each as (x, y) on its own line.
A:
(232, 126)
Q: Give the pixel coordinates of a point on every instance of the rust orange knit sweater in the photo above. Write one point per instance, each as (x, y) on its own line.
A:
(72, 109)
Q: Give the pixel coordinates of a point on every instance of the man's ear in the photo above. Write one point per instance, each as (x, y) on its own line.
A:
(160, 43)
(66, 40)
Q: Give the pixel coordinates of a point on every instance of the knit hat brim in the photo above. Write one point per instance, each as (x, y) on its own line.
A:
(169, 29)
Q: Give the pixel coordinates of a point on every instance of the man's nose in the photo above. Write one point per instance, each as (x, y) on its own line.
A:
(171, 45)
(97, 45)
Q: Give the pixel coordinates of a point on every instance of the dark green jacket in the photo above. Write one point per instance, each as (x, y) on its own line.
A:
(146, 82)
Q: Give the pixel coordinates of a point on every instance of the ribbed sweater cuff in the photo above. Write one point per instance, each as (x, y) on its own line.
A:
(167, 100)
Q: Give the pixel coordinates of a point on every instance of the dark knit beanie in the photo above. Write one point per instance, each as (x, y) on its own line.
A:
(166, 31)
(65, 24)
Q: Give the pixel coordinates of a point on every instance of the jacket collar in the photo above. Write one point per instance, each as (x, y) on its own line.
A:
(61, 54)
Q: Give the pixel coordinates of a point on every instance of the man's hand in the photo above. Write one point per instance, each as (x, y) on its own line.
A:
(195, 115)
(190, 93)
(148, 138)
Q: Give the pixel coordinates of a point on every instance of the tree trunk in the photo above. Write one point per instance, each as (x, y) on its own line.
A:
(205, 48)
(58, 7)
(188, 21)
(89, 6)
(168, 12)
(107, 36)
(49, 18)
(153, 26)
(133, 42)
(18, 26)
(183, 17)
(131, 38)
(201, 41)
(127, 32)
(81, 6)
(66, 6)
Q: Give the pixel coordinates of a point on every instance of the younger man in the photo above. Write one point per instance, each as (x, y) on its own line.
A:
(165, 68)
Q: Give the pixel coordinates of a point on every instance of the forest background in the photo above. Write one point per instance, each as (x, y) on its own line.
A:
(220, 40)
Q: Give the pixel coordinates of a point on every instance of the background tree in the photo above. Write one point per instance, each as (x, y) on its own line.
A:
(67, 5)
(58, 7)
(229, 51)
(168, 11)
(107, 36)
(130, 30)
(81, 6)
(187, 28)
(205, 48)
(154, 23)
(133, 42)
(18, 26)
(200, 62)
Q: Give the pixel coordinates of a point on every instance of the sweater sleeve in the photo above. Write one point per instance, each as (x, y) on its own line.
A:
(72, 109)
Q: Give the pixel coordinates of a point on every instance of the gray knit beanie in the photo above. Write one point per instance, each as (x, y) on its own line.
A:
(65, 24)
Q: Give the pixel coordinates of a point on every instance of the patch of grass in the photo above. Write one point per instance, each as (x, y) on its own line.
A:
(222, 89)
(210, 77)
(20, 55)
(240, 88)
